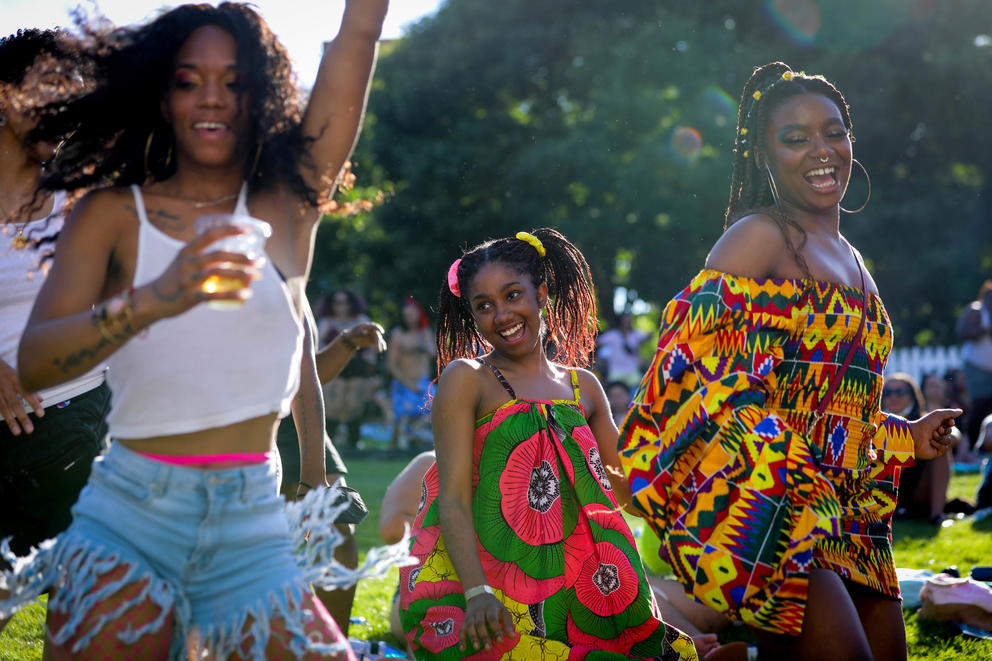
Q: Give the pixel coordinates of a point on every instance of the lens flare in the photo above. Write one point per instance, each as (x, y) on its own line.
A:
(800, 19)
(686, 143)
(715, 108)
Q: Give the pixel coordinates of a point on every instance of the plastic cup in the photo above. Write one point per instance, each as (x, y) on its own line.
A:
(249, 243)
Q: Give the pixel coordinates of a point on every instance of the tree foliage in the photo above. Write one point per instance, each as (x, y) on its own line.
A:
(614, 121)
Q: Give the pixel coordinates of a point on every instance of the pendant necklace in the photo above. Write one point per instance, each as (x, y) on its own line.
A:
(20, 242)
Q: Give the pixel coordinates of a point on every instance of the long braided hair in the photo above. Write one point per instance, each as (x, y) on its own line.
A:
(749, 185)
(571, 321)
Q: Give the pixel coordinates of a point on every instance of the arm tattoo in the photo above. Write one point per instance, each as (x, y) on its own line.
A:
(77, 358)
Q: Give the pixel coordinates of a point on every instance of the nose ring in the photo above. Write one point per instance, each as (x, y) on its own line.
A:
(824, 159)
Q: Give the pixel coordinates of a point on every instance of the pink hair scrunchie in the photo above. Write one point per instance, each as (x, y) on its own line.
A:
(453, 278)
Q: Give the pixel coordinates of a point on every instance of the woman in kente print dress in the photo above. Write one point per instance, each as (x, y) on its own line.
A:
(522, 550)
(765, 512)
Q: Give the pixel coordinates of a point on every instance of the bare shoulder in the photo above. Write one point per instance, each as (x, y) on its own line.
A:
(588, 382)
(591, 393)
(105, 205)
(459, 375)
(751, 247)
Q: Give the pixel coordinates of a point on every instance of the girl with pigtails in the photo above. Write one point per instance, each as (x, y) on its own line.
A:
(755, 445)
(521, 548)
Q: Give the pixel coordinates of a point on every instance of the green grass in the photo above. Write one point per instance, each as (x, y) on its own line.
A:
(963, 543)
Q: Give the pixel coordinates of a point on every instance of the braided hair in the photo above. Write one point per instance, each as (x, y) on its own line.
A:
(571, 320)
(115, 134)
(749, 186)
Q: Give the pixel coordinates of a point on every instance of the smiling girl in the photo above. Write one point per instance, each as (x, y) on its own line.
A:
(521, 546)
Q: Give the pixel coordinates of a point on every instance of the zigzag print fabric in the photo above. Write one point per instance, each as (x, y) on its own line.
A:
(746, 496)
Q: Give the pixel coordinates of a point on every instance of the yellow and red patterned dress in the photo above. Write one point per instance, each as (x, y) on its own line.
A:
(744, 494)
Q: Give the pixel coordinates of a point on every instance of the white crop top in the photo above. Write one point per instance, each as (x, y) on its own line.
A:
(204, 368)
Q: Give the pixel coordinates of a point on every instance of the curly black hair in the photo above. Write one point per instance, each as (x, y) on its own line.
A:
(18, 53)
(116, 135)
(20, 50)
(749, 189)
(571, 322)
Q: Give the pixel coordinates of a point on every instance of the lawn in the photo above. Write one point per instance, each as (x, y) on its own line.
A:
(962, 543)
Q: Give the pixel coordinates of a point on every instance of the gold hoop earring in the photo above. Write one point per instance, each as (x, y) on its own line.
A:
(868, 179)
(148, 148)
(771, 184)
(254, 164)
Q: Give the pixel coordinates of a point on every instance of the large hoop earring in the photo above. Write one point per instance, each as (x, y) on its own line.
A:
(771, 184)
(868, 179)
(254, 164)
(148, 148)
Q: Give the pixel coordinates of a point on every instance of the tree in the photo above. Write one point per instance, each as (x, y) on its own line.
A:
(614, 122)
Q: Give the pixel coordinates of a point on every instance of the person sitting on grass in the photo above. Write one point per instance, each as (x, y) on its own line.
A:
(522, 550)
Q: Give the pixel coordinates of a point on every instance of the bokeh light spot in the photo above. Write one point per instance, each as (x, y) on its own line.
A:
(686, 143)
(800, 19)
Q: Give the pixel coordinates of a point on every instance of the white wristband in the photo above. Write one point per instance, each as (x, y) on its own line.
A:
(477, 590)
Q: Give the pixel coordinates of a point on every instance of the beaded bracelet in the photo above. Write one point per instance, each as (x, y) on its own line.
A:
(114, 318)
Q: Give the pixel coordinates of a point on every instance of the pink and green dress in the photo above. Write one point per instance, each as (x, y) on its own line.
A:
(746, 493)
(552, 542)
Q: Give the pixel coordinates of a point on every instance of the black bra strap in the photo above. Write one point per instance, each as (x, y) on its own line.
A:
(499, 375)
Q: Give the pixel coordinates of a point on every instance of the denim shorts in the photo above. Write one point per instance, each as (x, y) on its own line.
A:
(218, 548)
(41, 473)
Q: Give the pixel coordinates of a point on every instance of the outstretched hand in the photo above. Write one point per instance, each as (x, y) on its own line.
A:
(366, 334)
(932, 433)
(486, 622)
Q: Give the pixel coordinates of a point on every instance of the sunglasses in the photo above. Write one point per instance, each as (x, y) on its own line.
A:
(898, 391)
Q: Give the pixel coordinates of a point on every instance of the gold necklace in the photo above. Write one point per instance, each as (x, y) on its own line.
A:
(198, 204)
(208, 203)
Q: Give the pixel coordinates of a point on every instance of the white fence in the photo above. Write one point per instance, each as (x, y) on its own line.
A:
(917, 361)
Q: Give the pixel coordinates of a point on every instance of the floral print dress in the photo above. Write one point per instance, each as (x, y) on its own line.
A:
(552, 542)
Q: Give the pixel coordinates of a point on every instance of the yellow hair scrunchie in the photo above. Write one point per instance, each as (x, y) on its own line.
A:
(534, 241)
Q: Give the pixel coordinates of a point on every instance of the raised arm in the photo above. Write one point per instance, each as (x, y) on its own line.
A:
(333, 358)
(452, 417)
(337, 102)
(969, 326)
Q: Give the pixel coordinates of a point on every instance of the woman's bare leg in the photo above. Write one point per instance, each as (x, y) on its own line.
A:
(881, 620)
(832, 628)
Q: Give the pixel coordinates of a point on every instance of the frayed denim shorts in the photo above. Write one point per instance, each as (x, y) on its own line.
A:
(219, 551)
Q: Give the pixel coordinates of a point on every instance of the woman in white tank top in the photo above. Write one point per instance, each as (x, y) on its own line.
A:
(180, 529)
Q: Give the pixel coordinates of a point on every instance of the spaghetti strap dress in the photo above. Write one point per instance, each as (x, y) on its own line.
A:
(552, 542)
(746, 489)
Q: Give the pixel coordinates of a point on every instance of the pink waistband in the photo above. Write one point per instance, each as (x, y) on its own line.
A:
(238, 458)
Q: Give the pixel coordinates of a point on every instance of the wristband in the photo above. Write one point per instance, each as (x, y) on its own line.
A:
(477, 590)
